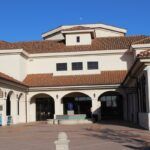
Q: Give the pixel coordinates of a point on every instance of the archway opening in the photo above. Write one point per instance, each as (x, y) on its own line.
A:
(79, 103)
(111, 106)
(8, 106)
(44, 107)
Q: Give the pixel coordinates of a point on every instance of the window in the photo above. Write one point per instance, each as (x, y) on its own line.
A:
(78, 39)
(77, 66)
(61, 66)
(92, 65)
(111, 101)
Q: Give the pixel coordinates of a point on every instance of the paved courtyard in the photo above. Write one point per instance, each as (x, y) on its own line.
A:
(104, 136)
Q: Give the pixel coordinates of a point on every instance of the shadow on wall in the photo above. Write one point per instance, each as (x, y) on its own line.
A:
(96, 116)
(127, 138)
(128, 58)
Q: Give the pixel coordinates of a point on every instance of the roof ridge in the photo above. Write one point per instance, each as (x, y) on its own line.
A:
(128, 36)
(62, 40)
(35, 41)
(5, 41)
(9, 78)
(147, 37)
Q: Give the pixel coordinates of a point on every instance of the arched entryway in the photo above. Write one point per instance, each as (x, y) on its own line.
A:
(43, 106)
(10, 97)
(8, 106)
(111, 106)
(80, 103)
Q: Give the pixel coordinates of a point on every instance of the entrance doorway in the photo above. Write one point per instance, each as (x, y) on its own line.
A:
(80, 103)
(111, 106)
(44, 109)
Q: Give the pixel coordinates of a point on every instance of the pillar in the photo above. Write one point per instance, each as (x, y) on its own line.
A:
(148, 88)
(22, 110)
(28, 110)
(4, 117)
(148, 96)
(144, 117)
(96, 107)
(58, 107)
(14, 110)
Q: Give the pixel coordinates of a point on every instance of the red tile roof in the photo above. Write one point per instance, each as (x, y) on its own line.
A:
(48, 80)
(107, 43)
(8, 78)
(143, 41)
(77, 28)
(144, 54)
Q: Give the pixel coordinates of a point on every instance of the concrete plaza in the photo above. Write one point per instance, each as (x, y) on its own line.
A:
(103, 136)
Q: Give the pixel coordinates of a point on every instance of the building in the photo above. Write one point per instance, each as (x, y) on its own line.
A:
(95, 68)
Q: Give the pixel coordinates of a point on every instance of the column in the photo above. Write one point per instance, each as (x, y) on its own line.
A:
(58, 107)
(28, 110)
(22, 111)
(96, 107)
(148, 88)
(148, 98)
(4, 117)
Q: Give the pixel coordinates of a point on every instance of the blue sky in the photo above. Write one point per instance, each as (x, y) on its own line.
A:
(25, 20)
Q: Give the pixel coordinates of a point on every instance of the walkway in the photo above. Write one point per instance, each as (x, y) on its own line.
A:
(40, 136)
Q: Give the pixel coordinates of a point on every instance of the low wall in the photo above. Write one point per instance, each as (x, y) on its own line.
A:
(144, 120)
(71, 117)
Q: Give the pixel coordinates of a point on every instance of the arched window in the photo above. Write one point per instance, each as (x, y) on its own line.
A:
(111, 105)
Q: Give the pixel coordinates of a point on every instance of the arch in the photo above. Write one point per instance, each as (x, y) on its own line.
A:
(38, 94)
(20, 98)
(43, 106)
(111, 105)
(77, 103)
(10, 96)
(68, 93)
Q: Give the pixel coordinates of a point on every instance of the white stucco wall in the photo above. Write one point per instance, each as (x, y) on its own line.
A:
(13, 65)
(102, 30)
(107, 62)
(85, 39)
(57, 37)
(107, 33)
(14, 97)
(99, 32)
(93, 94)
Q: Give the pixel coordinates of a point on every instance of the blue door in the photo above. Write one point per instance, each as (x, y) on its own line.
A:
(0, 120)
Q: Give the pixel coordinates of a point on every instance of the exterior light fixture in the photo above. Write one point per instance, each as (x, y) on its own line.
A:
(94, 95)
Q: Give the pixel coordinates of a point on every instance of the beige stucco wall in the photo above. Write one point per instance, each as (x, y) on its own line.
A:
(57, 95)
(16, 95)
(107, 62)
(13, 65)
(101, 30)
(85, 39)
(107, 33)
